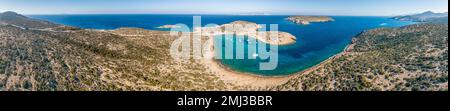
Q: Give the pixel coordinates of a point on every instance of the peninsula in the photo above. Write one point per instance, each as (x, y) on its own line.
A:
(167, 26)
(134, 59)
(427, 17)
(250, 29)
(306, 20)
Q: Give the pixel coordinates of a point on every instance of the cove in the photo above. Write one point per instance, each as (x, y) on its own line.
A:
(315, 42)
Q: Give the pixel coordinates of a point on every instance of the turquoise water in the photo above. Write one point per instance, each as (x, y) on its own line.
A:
(316, 42)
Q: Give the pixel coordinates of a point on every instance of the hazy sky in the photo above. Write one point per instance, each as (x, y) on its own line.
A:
(308, 7)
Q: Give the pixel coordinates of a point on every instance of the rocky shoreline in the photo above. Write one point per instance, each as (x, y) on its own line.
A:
(306, 20)
(250, 29)
(243, 28)
(136, 59)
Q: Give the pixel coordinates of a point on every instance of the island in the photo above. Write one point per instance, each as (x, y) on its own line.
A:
(427, 17)
(306, 20)
(167, 26)
(249, 29)
(410, 58)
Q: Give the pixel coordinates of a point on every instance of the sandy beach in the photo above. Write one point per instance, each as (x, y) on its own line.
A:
(258, 81)
(240, 78)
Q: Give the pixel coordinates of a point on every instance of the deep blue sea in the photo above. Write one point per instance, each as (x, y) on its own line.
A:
(315, 43)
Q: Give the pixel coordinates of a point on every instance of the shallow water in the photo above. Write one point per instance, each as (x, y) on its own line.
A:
(315, 43)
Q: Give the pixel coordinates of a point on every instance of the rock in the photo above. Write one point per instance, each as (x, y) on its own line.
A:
(306, 20)
(249, 29)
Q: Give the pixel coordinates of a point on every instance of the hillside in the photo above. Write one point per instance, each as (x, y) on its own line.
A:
(48, 60)
(430, 17)
(408, 58)
(13, 18)
(65, 59)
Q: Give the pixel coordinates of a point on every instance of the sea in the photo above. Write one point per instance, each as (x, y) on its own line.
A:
(315, 42)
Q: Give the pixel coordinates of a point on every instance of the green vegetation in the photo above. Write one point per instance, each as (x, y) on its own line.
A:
(409, 58)
(306, 20)
(428, 17)
(2, 67)
(71, 59)
(95, 60)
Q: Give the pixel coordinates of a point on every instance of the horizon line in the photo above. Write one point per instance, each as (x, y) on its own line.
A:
(209, 14)
(239, 14)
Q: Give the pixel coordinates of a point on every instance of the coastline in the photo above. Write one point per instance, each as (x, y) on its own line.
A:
(306, 20)
(345, 51)
(138, 59)
(260, 81)
(239, 78)
(235, 77)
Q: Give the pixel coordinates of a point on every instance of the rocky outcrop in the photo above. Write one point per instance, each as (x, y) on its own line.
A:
(306, 20)
(250, 29)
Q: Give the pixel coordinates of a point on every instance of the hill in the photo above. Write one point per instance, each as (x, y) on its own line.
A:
(408, 58)
(388, 59)
(79, 60)
(13, 18)
(431, 17)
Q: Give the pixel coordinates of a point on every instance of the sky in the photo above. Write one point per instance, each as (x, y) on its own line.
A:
(277, 7)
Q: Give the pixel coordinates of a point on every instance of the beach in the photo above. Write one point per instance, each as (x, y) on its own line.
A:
(310, 47)
(240, 78)
(302, 48)
(258, 81)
